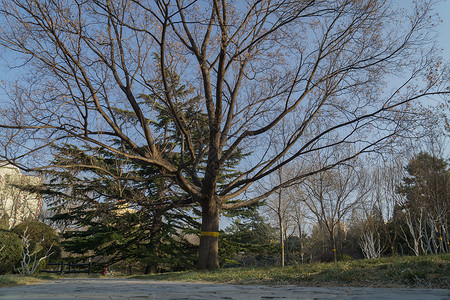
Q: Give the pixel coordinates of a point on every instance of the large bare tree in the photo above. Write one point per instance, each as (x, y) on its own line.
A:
(105, 72)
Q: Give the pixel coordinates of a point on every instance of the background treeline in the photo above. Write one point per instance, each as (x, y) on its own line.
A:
(117, 217)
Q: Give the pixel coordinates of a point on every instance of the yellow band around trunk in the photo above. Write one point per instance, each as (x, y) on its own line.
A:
(209, 233)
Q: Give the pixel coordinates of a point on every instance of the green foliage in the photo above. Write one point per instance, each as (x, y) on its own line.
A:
(253, 230)
(14, 280)
(136, 237)
(249, 242)
(428, 184)
(4, 221)
(115, 212)
(426, 209)
(6, 280)
(11, 249)
(345, 257)
(42, 234)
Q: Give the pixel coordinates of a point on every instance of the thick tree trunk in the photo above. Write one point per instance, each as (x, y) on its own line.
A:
(208, 253)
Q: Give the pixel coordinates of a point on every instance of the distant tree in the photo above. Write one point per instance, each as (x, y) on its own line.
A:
(369, 232)
(254, 230)
(375, 224)
(249, 240)
(386, 199)
(427, 185)
(279, 206)
(427, 202)
(330, 197)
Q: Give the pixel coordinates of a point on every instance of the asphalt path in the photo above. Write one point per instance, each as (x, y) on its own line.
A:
(145, 289)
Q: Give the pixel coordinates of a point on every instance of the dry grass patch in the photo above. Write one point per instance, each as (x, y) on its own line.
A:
(12, 280)
(432, 271)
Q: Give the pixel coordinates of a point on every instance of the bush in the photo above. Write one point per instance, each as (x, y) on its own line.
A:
(11, 252)
(345, 257)
(42, 234)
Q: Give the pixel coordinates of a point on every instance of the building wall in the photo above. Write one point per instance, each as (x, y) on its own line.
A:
(17, 205)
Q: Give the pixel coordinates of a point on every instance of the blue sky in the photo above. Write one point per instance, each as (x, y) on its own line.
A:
(443, 9)
(443, 29)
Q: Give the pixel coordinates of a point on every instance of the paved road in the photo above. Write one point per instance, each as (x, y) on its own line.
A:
(144, 289)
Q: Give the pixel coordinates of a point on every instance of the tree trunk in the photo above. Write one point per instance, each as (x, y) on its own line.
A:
(300, 236)
(281, 224)
(333, 246)
(208, 253)
(282, 237)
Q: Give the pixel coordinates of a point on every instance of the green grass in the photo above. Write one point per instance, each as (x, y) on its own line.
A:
(11, 280)
(432, 271)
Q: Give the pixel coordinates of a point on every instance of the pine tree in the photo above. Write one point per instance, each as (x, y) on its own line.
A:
(426, 209)
(116, 213)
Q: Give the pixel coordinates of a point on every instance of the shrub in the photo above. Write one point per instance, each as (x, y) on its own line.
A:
(40, 233)
(345, 257)
(11, 250)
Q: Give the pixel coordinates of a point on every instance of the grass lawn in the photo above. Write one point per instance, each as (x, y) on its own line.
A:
(14, 279)
(431, 271)
(10, 280)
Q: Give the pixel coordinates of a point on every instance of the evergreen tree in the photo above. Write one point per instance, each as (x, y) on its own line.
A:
(116, 213)
(426, 210)
(249, 240)
(428, 184)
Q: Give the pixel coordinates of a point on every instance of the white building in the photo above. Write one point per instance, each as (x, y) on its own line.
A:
(17, 205)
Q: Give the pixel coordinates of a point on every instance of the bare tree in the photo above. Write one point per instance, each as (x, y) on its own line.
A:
(30, 259)
(280, 205)
(287, 209)
(298, 215)
(376, 221)
(370, 245)
(426, 203)
(99, 72)
(415, 230)
(330, 196)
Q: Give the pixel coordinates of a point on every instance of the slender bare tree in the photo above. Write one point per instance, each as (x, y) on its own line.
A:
(377, 219)
(30, 259)
(99, 72)
(279, 207)
(330, 196)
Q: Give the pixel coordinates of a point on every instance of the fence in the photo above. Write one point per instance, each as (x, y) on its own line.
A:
(69, 268)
